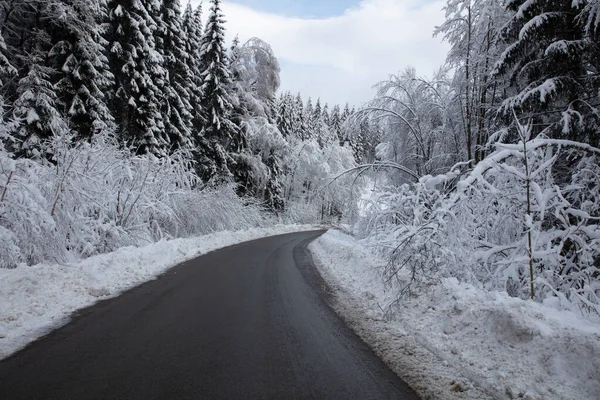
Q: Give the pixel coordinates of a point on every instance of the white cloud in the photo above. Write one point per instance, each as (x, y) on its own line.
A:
(340, 58)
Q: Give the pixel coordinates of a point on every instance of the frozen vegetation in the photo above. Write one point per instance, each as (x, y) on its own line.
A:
(133, 137)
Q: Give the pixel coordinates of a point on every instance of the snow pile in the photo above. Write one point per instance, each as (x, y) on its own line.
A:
(35, 300)
(457, 341)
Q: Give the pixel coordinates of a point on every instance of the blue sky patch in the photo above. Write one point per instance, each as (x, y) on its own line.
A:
(302, 9)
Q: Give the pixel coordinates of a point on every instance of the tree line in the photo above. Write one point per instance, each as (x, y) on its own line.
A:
(128, 121)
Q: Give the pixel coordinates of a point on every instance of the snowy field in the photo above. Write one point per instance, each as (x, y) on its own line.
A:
(36, 300)
(458, 342)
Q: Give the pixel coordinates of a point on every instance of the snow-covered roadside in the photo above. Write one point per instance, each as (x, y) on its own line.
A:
(457, 342)
(35, 300)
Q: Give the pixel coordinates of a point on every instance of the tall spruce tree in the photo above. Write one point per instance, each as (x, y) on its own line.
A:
(309, 120)
(285, 114)
(192, 32)
(7, 69)
(298, 118)
(78, 57)
(139, 75)
(346, 113)
(551, 64)
(325, 114)
(335, 124)
(34, 115)
(220, 136)
(320, 130)
(177, 91)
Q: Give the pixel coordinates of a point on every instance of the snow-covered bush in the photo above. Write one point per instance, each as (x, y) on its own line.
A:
(406, 225)
(96, 197)
(518, 222)
(530, 228)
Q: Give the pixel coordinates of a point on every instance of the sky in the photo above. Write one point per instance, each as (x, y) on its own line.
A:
(337, 50)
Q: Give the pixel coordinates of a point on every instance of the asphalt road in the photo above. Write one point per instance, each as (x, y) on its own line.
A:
(250, 321)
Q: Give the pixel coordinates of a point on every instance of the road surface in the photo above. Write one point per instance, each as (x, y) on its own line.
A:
(250, 321)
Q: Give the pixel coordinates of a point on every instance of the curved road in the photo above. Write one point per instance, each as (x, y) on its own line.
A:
(249, 321)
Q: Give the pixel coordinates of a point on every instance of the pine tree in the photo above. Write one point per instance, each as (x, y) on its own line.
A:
(285, 117)
(78, 57)
(335, 124)
(139, 75)
(177, 91)
(298, 118)
(346, 113)
(320, 129)
(23, 34)
(220, 136)
(325, 114)
(7, 70)
(35, 117)
(317, 111)
(309, 120)
(192, 30)
(550, 63)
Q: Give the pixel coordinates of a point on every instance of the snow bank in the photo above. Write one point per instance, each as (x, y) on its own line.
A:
(35, 300)
(458, 342)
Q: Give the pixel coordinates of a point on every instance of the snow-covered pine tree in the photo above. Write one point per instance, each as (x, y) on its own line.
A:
(317, 111)
(589, 17)
(220, 136)
(78, 56)
(137, 67)
(31, 99)
(176, 102)
(192, 30)
(309, 120)
(335, 124)
(550, 63)
(325, 114)
(285, 114)
(320, 129)
(298, 118)
(235, 53)
(346, 113)
(35, 118)
(21, 36)
(7, 70)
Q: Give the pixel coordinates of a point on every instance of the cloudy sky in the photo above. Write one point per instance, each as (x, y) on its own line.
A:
(338, 49)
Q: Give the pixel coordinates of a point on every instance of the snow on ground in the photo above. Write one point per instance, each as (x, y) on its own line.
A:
(35, 300)
(458, 342)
